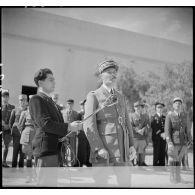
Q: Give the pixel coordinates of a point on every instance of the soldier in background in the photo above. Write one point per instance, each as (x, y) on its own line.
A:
(26, 126)
(177, 137)
(69, 116)
(6, 132)
(140, 123)
(158, 135)
(15, 131)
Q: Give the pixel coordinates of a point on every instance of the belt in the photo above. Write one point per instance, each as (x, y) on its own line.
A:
(107, 120)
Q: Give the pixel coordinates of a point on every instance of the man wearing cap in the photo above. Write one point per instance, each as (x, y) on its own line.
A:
(83, 153)
(177, 137)
(69, 116)
(15, 131)
(109, 131)
(140, 123)
(6, 132)
(158, 135)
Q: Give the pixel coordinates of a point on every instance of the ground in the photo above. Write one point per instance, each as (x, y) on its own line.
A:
(136, 177)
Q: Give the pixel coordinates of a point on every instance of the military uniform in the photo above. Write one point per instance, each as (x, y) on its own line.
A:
(140, 122)
(16, 134)
(26, 125)
(6, 132)
(70, 116)
(109, 129)
(177, 137)
(159, 144)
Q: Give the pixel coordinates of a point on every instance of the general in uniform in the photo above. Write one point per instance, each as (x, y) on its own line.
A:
(158, 135)
(177, 137)
(6, 132)
(140, 124)
(109, 131)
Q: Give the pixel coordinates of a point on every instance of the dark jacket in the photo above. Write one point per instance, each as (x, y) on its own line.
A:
(157, 125)
(49, 125)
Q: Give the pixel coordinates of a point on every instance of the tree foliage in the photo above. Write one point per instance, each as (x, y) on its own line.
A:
(176, 80)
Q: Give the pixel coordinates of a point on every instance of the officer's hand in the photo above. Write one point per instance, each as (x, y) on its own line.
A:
(75, 126)
(162, 135)
(132, 153)
(103, 153)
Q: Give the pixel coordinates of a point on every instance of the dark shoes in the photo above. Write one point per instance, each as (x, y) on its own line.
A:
(144, 164)
(5, 165)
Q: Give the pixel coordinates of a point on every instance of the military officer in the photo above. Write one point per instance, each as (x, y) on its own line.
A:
(109, 131)
(177, 137)
(15, 131)
(158, 135)
(6, 112)
(140, 123)
(69, 116)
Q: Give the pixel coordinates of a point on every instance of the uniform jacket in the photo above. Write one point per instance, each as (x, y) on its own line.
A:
(157, 125)
(69, 116)
(140, 122)
(103, 130)
(6, 113)
(13, 122)
(176, 128)
(49, 125)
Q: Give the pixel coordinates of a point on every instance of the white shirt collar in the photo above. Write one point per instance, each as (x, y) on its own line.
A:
(159, 114)
(107, 88)
(177, 113)
(40, 90)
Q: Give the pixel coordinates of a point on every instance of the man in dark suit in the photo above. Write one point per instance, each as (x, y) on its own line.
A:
(158, 135)
(49, 123)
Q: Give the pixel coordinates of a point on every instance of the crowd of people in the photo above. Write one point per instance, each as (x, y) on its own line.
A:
(102, 133)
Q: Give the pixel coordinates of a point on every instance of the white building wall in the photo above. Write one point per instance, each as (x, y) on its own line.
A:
(72, 49)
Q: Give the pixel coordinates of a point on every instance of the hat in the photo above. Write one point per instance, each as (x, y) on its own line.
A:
(177, 99)
(159, 103)
(107, 64)
(5, 93)
(82, 102)
(138, 103)
(22, 97)
(70, 101)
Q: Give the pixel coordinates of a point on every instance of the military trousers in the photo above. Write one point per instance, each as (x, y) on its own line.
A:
(17, 150)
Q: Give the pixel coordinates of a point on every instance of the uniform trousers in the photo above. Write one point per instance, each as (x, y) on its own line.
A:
(6, 141)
